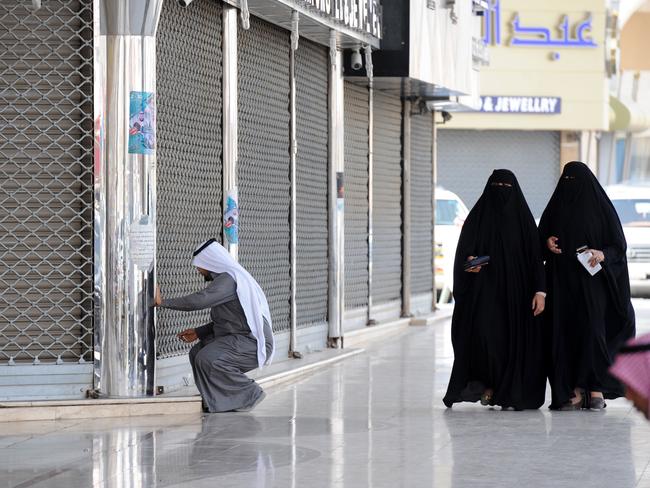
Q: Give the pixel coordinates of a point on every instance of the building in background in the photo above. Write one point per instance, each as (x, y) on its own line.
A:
(624, 151)
(544, 98)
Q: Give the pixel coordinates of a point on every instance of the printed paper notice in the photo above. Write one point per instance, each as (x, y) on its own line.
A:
(142, 239)
(584, 258)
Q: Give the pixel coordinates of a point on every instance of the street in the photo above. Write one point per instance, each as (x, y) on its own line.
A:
(376, 420)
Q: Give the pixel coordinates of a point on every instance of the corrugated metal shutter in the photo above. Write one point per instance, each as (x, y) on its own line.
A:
(46, 178)
(312, 168)
(189, 155)
(264, 186)
(421, 204)
(534, 156)
(356, 196)
(387, 193)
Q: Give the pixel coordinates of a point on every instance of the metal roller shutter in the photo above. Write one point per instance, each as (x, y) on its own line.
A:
(312, 171)
(356, 196)
(534, 156)
(387, 192)
(46, 183)
(189, 155)
(264, 186)
(421, 204)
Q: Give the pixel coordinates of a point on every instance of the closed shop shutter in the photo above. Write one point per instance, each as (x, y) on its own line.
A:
(189, 155)
(387, 193)
(356, 196)
(46, 186)
(263, 167)
(466, 159)
(421, 204)
(312, 63)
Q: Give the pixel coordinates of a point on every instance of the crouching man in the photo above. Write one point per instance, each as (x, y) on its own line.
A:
(237, 340)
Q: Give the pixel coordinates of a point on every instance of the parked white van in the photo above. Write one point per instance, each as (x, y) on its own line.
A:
(451, 213)
(632, 203)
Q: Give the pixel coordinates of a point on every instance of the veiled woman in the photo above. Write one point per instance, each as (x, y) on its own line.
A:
(589, 317)
(496, 332)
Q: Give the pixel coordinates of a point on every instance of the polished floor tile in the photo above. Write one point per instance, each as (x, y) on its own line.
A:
(376, 420)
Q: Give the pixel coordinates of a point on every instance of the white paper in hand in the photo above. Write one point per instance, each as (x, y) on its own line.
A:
(584, 258)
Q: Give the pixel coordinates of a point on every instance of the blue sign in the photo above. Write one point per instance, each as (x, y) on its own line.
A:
(521, 105)
(537, 36)
(492, 23)
(541, 36)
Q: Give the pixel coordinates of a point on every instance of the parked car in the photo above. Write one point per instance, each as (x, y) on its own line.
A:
(450, 216)
(632, 203)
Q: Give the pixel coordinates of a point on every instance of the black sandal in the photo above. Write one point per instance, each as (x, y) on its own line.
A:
(486, 398)
(572, 406)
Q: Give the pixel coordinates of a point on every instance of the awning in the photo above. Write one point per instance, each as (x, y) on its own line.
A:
(313, 24)
(628, 116)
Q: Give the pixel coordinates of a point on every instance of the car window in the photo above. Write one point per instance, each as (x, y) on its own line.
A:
(633, 213)
(450, 212)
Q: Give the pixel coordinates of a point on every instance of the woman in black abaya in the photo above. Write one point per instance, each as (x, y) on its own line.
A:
(589, 316)
(496, 334)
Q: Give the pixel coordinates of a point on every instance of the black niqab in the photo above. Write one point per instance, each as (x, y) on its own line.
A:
(498, 344)
(589, 317)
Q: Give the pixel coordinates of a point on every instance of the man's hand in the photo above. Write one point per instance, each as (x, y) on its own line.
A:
(157, 298)
(539, 302)
(596, 257)
(188, 335)
(551, 243)
(475, 269)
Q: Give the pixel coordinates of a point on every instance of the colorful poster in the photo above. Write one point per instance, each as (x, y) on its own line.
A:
(142, 123)
(340, 192)
(231, 218)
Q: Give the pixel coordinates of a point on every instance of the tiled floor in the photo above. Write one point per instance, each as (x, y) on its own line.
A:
(375, 420)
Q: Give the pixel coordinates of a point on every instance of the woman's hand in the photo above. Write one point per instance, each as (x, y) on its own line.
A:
(157, 299)
(539, 303)
(188, 335)
(551, 243)
(596, 257)
(475, 269)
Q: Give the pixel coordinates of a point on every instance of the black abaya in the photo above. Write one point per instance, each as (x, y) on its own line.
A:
(589, 317)
(498, 343)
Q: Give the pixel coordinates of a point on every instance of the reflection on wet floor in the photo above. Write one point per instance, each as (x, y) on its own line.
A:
(376, 420)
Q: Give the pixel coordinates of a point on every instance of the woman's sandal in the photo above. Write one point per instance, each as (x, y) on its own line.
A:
(571, 405)
(486, 398)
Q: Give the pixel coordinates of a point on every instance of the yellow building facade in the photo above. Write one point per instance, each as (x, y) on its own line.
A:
(547, 67)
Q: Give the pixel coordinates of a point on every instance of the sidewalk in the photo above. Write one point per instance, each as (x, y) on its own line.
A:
(375, 420)
(186, 400)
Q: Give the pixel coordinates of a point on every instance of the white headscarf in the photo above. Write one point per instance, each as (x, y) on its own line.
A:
(212, 256)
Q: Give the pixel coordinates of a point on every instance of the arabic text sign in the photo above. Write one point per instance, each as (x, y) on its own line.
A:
(541, 36)
(364, 15)
(576, 36)
(521, 105)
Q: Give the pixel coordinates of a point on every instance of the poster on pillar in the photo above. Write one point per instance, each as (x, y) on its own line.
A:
(340, 190)
(231, 217)
(142, 123)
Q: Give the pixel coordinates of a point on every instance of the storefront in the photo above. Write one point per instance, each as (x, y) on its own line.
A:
(391, 187)
(125, 147)
(61, 334)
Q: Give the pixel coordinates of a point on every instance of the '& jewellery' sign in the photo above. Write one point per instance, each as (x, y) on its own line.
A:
(521, 105)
